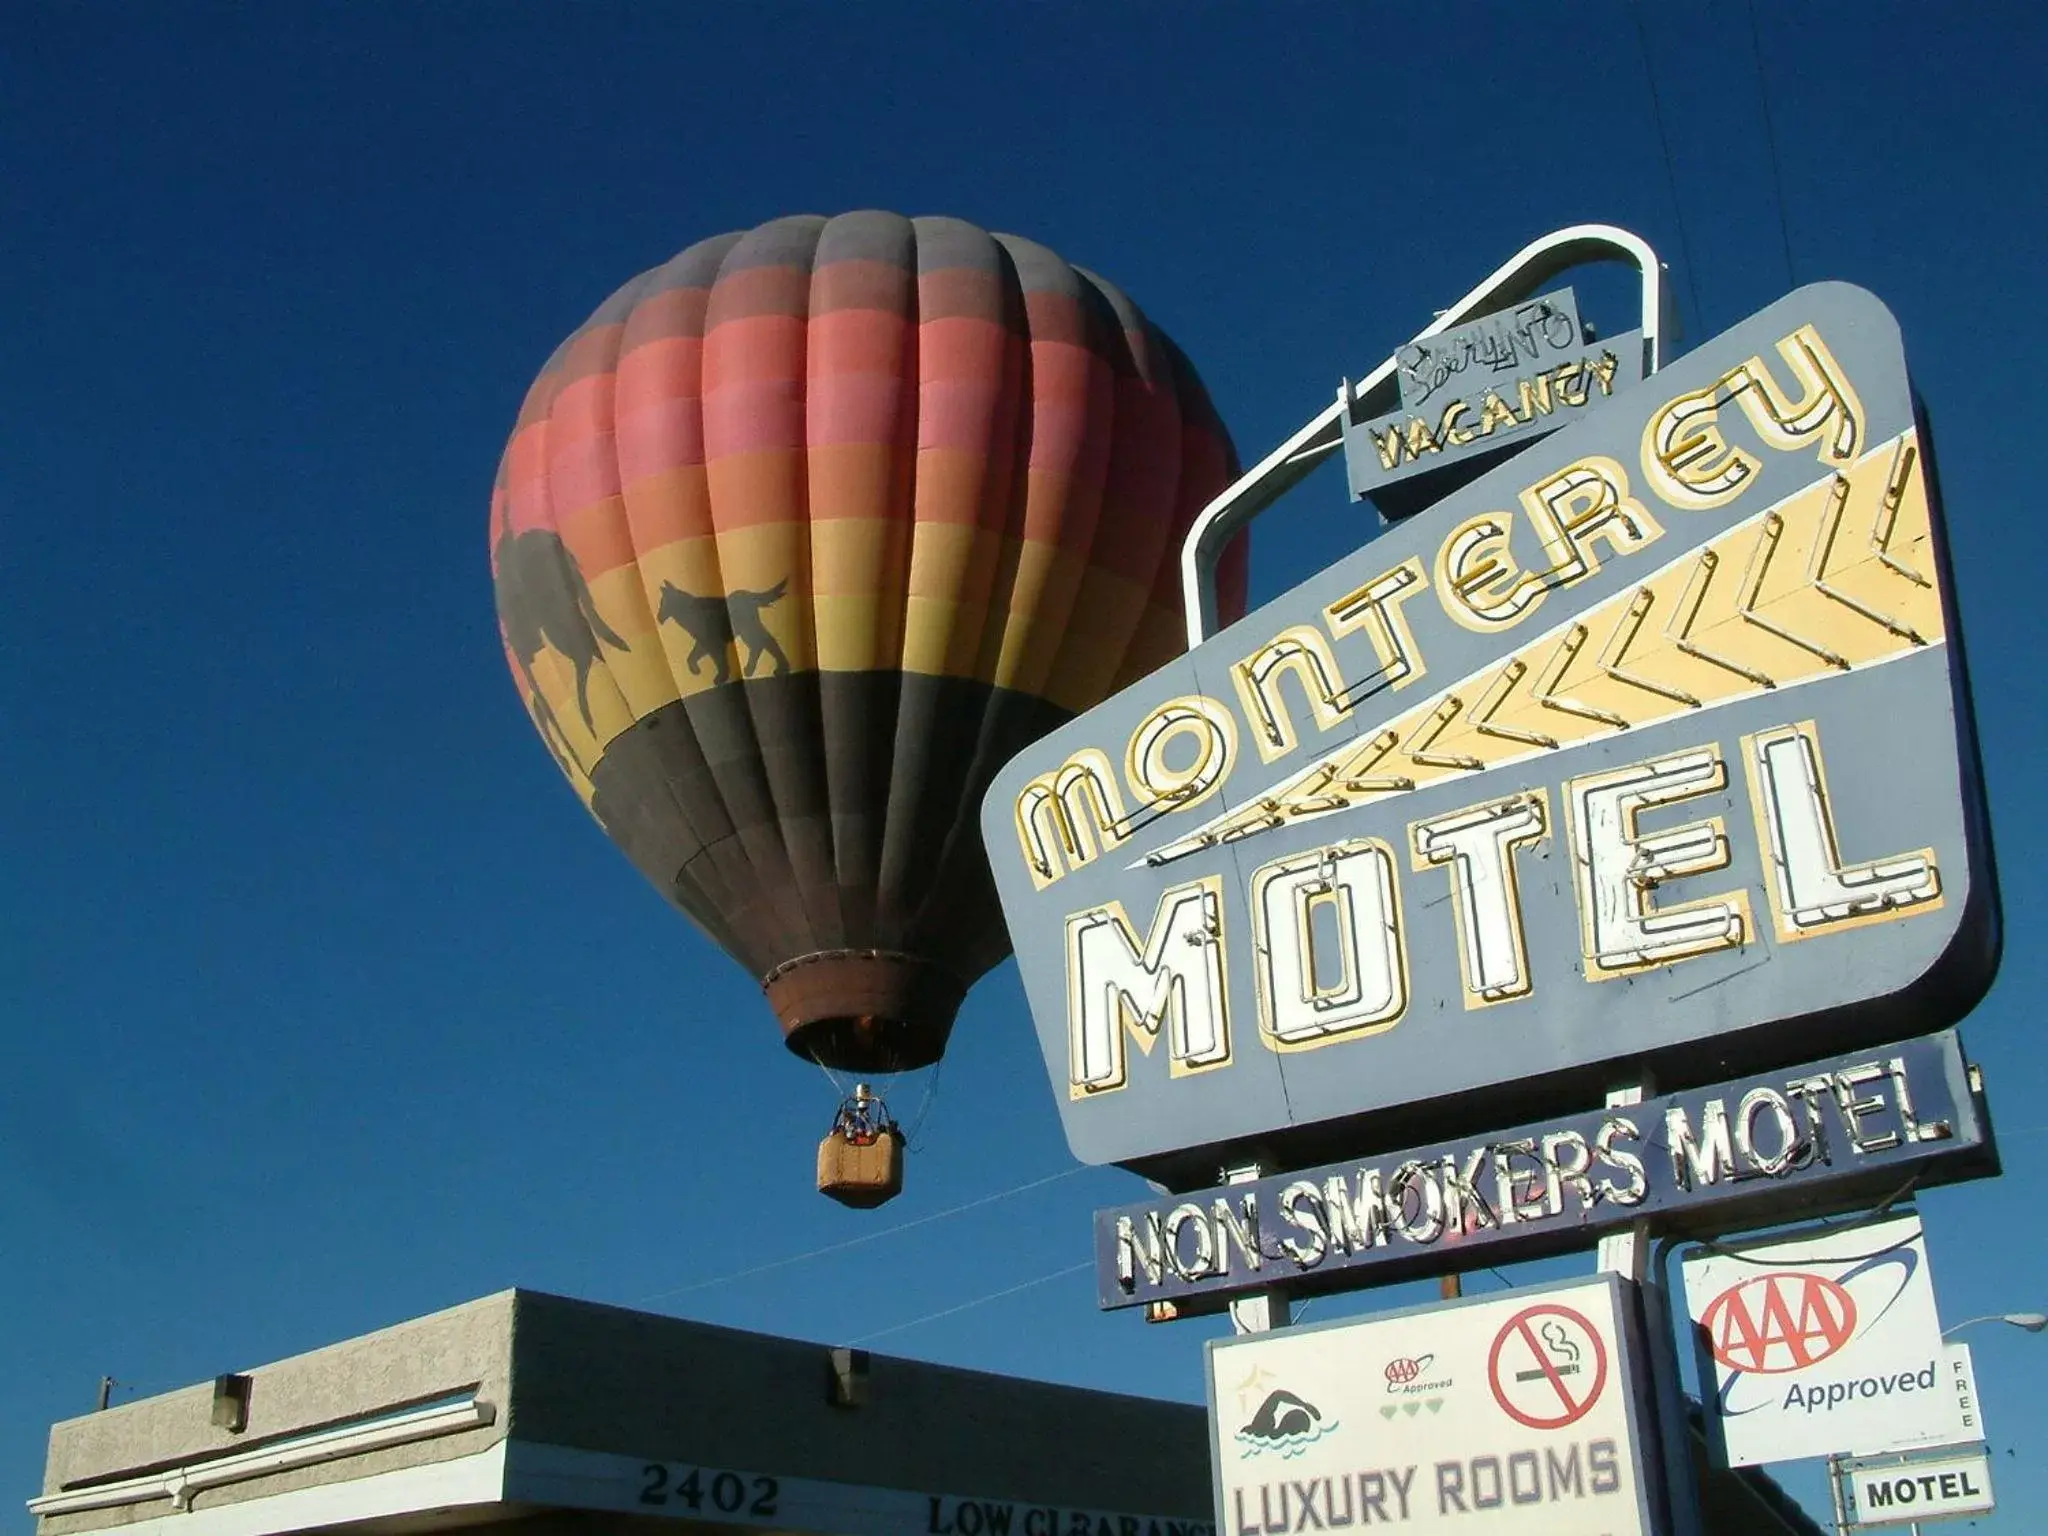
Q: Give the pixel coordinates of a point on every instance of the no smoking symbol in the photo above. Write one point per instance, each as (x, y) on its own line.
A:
(1547, 1367)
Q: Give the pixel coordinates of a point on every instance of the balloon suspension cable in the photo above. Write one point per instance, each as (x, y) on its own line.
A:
(892, 1070)
(839, 1089)
(924, 1107)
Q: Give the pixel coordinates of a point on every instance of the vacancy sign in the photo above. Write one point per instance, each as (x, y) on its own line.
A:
(1824, 1345)
(1939, 1486)
(1516, 1413)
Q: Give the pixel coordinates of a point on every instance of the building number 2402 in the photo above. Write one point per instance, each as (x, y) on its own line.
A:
(694, 1487)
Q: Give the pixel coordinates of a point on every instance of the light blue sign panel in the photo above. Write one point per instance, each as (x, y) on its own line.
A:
(1648, 750)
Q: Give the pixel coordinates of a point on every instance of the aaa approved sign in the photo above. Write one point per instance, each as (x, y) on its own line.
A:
(1515, 1413)
(1824, 1344)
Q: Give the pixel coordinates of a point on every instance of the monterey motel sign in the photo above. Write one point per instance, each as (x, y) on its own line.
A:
(1647, 754)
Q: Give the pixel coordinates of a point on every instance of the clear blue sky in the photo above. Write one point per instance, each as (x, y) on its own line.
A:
(326, 1004)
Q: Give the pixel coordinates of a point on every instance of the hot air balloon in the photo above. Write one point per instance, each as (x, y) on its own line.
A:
(798, 539)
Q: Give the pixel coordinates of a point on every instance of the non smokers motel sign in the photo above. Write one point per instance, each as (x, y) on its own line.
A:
(1654, 736)
(1821, 1137)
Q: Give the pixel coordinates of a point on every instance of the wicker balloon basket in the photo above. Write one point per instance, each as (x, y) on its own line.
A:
(860, 1161)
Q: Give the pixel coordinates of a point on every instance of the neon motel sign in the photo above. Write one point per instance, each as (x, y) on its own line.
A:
(1571, 768)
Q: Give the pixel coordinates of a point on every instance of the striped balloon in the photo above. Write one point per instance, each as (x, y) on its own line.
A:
(802, 536)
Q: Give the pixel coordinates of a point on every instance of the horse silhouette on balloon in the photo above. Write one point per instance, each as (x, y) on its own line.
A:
(543, 601)
(715, 623)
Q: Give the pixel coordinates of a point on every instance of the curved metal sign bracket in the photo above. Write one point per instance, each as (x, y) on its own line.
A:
(1279, 471)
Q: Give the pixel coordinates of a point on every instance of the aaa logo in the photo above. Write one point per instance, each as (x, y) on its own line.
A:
(1778, 1322)
(1401, 1372)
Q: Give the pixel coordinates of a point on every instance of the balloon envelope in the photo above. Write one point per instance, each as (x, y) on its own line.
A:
(802, 536)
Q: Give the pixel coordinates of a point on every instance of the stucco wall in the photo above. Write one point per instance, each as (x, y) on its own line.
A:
(595, 1378)
(606, 1379)
(464, 1347)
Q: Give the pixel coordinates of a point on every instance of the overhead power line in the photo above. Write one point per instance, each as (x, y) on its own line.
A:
(865, 1237)
(1009, 1290)
(1670, 168)
(1763, 89)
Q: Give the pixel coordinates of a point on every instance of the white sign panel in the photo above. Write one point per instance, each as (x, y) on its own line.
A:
(1514, 1413)
(1938, 1487)
(1962, 1375)
(1825, 1344)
